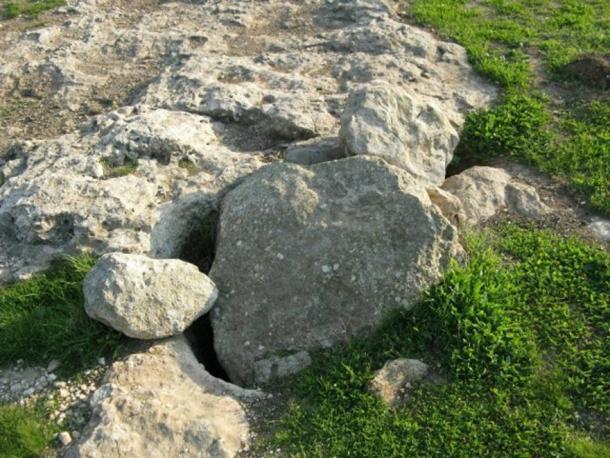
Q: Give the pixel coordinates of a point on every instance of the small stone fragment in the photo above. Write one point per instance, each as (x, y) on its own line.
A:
(64, 438)
(600, 229)
(53, 365)
(394, 380)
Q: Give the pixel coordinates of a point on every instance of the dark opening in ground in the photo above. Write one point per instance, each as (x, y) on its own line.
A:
(201, 337)
(199, 249)
(200, 244)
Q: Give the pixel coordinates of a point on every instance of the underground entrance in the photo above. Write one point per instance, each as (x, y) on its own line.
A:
(199, 249)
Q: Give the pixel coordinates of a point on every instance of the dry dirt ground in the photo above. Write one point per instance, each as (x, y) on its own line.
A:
(30, 110)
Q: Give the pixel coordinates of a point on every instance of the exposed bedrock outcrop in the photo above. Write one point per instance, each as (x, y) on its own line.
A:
(211, 92)
(235, 84)
(309, 257)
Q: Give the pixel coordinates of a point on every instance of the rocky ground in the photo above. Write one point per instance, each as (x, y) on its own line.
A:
(68, 400)
(126, 124)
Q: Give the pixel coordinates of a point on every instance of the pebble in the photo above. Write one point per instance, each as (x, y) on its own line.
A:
(68, 399)
(53, 365)
(28, 392)
(65, 438)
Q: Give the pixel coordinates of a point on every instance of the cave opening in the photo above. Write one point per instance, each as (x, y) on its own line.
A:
(199, 249)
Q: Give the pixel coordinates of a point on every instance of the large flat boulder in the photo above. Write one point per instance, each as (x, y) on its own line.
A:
(309, 257)
(162, 403)
(147, 298)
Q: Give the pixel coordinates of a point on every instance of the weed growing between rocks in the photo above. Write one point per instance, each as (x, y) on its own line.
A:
(43, 318)
(30, 8)
(544, 118)
(114, 171)
(520, 336)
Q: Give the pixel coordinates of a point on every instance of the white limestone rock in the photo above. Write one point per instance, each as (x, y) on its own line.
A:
(396, 378)
(406, 130)
(147, 298)
(484, 191)
(162, 403)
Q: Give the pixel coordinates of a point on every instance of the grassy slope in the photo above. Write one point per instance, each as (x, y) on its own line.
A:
(569, 138)
(520, 335)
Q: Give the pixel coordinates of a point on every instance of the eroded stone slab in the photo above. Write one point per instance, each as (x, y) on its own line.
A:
(161, 402)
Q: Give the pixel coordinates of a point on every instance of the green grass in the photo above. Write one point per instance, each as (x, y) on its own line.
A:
(30, 8)
(114, 171)
(577, 147)
(189, 166)
(521, 336)
(43, 318)
(502, 37)
(24, 431)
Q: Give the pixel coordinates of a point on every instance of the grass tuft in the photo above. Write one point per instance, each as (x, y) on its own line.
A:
(43, 318)
(115, 171)
(24, 431)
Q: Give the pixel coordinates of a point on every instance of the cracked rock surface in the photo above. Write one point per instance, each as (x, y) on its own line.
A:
(211, 91)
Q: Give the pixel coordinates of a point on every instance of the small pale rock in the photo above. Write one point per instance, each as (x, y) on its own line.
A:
(64, 438)
(53, 365)
(29, 392)
(601, 229)
(393, 381)
(407, 130)
(484, 191)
